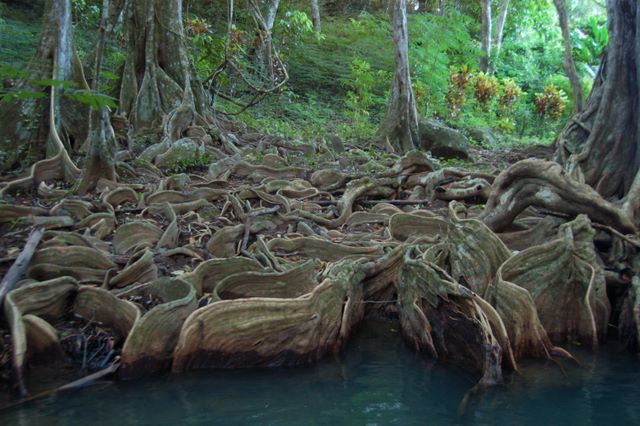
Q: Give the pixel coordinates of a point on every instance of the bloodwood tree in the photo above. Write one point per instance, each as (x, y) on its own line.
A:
(400, 123)
(600, 145)
(100, 159)
(599, 149)
(47, 121)
(158, 81)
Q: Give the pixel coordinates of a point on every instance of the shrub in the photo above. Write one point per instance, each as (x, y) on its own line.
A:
(485, 89)
(551, 102)
(459, 81)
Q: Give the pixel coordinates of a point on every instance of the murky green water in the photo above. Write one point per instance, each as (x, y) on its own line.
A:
(377, 380)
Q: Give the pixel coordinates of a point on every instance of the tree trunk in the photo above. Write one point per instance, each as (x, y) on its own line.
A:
(102, 144)
(315, 15)
(486, 35)
(569, 63)
(442, 7)
(497, 42)
(264, 41)
(25, 124)
(600, 145)
(271, 14)
(157, 72)
(400, 123)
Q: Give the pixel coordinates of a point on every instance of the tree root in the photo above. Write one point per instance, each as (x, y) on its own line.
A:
(544, 184)
(268, 269)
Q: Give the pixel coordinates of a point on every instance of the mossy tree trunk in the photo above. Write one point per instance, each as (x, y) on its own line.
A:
(601, 143)
(26, 124)
(400, 123)
(157, 74)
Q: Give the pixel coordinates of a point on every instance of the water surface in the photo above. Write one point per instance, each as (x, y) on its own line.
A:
(377, 380)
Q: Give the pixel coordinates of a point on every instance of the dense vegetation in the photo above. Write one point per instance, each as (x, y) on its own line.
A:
(339, 78)
(193, 185)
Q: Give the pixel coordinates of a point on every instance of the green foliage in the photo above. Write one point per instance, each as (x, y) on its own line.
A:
(294, 117)
(481, 100)
(509, 99)
(339, 80)
(85, 11)
(485, 89)
(321, 66)
(589, 42)
(510, 93)
(551, 102)
(360, 98)
(93, 99)
(19, 30)
(437, 43)
(186, 163)
(532, 48)
(207, 49)
(293, 28)
(30, 90)
(459, 81)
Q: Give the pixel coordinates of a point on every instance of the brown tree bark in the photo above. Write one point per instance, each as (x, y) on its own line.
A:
(157, 74)
(569, 63)
(486, 35)
(400, 123)
(100, 156)
(601, 144)
(25, 124)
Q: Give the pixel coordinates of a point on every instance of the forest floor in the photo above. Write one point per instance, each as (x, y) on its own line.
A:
(251, 203)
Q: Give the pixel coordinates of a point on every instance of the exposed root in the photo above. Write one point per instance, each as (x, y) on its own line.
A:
(260, 267)
(544, 184)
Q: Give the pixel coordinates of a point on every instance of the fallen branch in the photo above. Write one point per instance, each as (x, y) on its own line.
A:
(616, 233)
(90, 378)
(17, 269)
(84, 381)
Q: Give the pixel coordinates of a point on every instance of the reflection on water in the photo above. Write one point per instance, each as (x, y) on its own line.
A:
(377, 380)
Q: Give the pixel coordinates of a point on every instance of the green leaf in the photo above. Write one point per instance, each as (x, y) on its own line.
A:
(22, 95)
(109, 75)
(10, 72)
(55, 83)
(93, 99)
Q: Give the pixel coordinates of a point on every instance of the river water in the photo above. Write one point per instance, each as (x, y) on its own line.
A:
(377, 380)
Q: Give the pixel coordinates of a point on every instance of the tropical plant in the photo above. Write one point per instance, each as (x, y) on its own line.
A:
(551, 102)
(459, 82)
(485, 89)
(589, 42)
